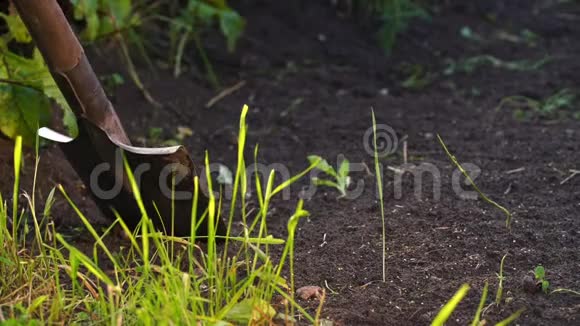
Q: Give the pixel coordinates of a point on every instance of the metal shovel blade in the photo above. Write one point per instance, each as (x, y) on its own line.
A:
(164, 176)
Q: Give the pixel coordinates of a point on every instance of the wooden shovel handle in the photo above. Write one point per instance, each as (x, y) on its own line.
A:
(69, 65)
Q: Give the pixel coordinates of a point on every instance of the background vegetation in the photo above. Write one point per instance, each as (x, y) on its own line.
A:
(28, 94)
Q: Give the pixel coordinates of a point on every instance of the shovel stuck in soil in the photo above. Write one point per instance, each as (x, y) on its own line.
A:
(165, 176)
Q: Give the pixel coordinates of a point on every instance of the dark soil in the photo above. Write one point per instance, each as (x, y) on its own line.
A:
(311, 80)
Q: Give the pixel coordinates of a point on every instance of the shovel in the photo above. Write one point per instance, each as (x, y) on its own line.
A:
(164, 176)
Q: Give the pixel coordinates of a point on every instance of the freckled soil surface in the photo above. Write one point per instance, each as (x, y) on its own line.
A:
(311, 77)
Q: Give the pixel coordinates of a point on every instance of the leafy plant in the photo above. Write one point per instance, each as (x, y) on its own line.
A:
(540, 276)
(26, 88)
(188, 25)
(544, 284)
(104, 17)
(25, 81)
(120, 21)
(340, 181)
(554, 106)
(395, 16)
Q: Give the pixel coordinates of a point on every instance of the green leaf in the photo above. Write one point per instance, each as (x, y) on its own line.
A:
(87, 10)
(327, 183)
(16, 28)
(201, 12)
(250, 312)
(232, 25)
(117, 16)
(539, 272)
(343, 169)
(322, 165)
(119, 9)
(25, 101)
(396, 16)
(545, 286)
(343, 179)
(22, 111)
(104, 17)
(52, 91)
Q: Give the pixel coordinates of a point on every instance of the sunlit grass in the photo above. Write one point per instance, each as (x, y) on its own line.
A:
(447, 310)
(154, 278)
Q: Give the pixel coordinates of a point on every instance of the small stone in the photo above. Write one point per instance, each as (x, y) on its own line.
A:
(310, 292)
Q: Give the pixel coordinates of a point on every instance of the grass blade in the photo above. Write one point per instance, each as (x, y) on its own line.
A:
(499, 293)
(16, 190)
(380, 190)
(477, 317)
(511, 318)
(450, 306)
(472, 183)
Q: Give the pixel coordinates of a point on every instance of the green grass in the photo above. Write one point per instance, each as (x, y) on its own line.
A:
(153, 278)
(477, 319)
(339, 178)
(448, 309)
(500, 278)
(450, 306)
(483, 196)
(555, 106)
(379, 181)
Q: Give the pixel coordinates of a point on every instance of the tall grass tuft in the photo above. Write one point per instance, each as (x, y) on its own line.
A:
(155, 278)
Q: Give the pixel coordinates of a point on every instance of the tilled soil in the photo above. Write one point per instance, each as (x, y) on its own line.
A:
(311, 78)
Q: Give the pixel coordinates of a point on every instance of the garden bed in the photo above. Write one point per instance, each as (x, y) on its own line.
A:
(311, 79)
